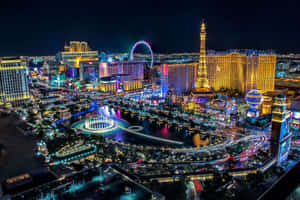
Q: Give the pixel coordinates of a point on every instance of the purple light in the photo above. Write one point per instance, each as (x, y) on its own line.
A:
(147, 45)
(118, 114)
(119, 136)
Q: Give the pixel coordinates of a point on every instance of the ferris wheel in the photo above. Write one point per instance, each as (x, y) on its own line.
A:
(142, 42)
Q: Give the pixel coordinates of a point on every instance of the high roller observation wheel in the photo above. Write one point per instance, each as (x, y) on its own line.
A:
(142, 42)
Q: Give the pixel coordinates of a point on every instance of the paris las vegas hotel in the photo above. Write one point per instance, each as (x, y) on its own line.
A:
(236, 69)
(242, 71)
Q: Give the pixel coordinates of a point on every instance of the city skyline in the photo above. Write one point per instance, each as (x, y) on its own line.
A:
(150, 100)
(34, 28)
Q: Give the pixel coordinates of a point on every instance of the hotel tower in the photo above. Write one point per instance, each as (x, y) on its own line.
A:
(13, 81)
(281, 136)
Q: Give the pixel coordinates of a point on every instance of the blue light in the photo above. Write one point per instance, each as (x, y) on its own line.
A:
(129, 197)
(91, 108)
(109, 59)
(75, 187)
(98, 178)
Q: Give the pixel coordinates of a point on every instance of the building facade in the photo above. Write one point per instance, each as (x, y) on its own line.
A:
(178, 77)
(135, 69)
(164, 79)
(94, 70)
(234, 70)
(120, 83)
(281, 136)
(75, 52)
(242, 71)
(13, 80)
(89, 70)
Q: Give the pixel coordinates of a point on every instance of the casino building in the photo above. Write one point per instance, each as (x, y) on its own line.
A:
(236, 69)
(75, 52)
(134, 68)
(178, 77)
(230, 70)
(89, 70)
(120, 83)
(242, 71)
(13, 81)
(281, 136)
(121, 76)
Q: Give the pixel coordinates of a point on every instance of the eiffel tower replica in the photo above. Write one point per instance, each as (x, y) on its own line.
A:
(201, 92)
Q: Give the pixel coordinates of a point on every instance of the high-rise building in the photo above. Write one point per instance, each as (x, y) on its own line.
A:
(89, 70)
(75, 52)
(13, 80)
(242, 71)
(178, 77)
(121, 76)
(135, 69)
(164, 74)
(120, 83)
(281, 136)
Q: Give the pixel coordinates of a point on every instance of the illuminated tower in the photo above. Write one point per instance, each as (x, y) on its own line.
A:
(164, 79)
(201, 81)
(281, 137)
(201, 89)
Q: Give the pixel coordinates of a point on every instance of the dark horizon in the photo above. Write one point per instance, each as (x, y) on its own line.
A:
(35, 28)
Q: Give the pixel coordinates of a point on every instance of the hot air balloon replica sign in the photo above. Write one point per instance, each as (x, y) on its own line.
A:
(254, 99)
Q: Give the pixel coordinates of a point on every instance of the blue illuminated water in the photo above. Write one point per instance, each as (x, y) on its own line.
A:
(148, 128)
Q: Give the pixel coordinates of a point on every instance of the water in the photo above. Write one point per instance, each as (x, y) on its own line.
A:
(149, 128)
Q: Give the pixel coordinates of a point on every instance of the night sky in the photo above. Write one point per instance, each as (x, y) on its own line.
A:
(42, 27)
